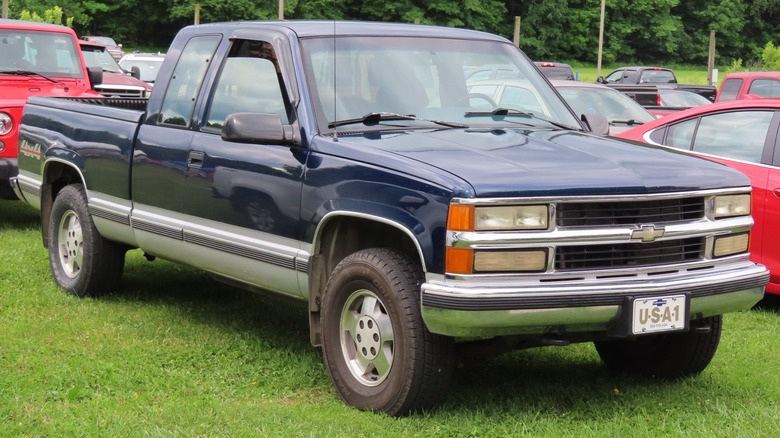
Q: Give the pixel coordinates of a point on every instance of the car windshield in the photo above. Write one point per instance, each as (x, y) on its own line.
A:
(51, 54)
(684, 99)
(613, 105)
(106, 41)
(425, 77)
(149, 68)
(99, 57)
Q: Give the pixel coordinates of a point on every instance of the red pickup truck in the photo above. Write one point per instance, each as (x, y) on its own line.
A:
(749, 85)
(36, 59)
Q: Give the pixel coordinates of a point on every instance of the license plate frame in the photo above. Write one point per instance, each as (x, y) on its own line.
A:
(659, 314)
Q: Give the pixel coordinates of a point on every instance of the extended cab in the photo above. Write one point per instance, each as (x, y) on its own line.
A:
(346, 165)
(36, 59)
(749, 85)
(653, 78)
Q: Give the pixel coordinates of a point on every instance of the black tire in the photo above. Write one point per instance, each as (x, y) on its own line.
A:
(378, 352)
(669, 355)
(82, 262)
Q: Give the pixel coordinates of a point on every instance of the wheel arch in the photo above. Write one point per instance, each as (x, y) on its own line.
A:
(57, 174)
(342, 233)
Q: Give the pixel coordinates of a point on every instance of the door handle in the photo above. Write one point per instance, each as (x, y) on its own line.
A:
(776, 192)
(195, 159)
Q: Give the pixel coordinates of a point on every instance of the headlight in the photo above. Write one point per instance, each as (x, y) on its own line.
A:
(732, 205)
(520, 217)
(731, 245)
(510, 261)
(6, 123)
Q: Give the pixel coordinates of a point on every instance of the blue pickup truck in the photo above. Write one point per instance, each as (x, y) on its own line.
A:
(347, 165)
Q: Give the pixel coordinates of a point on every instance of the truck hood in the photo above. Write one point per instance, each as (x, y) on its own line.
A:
(508, 162)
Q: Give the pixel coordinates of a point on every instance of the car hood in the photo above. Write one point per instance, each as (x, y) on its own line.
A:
(111, 78)
(22, 87)
(539, 162)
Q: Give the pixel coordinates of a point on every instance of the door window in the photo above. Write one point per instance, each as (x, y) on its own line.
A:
(249, 82)
(179, 101)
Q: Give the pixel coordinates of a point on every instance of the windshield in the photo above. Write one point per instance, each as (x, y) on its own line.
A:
(99, 57)
(51, 54)
(430, 78)
(612, 104)
(149, 68)
(106, 41)
(681, 98)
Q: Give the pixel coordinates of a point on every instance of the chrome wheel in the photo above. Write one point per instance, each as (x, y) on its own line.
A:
(367, 338)
(70, 246)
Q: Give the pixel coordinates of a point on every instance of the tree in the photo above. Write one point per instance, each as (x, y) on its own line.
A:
(727, 18)
(52, 16)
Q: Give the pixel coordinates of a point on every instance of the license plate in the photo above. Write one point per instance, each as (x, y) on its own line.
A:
(659, 314)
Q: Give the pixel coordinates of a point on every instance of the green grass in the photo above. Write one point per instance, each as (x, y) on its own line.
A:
(178, 354)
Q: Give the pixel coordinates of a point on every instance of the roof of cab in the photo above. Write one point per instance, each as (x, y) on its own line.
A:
(30, 25)
(305, 28)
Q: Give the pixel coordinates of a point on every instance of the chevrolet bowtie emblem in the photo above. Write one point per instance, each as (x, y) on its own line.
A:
(647, 233)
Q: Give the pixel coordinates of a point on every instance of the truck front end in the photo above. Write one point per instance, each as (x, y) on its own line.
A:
(564, 268)
(36, 59)
(10, 116)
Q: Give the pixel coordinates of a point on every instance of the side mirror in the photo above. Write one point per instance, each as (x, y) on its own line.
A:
(601, 80)
(596, 123)
(95, 75)
(135, 72)
(262, 128)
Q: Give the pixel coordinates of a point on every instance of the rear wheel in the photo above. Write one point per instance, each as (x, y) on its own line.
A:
(668, 355)
(378, 352)
(82, 261)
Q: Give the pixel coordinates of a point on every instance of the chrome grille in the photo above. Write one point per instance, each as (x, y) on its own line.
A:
(628, 255)
(659, 212)
(119, 91)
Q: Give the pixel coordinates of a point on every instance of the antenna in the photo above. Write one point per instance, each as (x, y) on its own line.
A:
(335, 82)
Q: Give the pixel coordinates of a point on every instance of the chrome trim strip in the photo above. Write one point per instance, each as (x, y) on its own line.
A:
(612, 234)
(476, 291)
(600, 198)
(156, 228)
(225, 239)
(611, 298)
(339, 213)
(239, 250)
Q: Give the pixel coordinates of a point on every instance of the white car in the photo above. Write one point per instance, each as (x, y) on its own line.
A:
(148, 63)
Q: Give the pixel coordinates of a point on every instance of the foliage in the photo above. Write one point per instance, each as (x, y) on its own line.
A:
(735, 67)
(51, 16)
(635, 31)
(771, 57)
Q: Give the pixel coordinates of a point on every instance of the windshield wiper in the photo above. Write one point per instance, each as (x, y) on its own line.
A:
(629, 122)
(503, 112)
(29, 73)
(374, 118)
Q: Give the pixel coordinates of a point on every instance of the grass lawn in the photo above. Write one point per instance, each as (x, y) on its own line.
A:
(178, 354)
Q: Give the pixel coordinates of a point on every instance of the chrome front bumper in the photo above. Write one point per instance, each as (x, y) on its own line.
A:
(470, 309)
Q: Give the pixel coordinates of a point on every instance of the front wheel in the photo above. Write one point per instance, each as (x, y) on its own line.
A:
(378, 352)
(82, 261)
(669, 355)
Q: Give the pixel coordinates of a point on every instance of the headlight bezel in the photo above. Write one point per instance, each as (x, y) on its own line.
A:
(6, 123)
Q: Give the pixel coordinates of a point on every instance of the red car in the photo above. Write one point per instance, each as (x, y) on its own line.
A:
(745, 135)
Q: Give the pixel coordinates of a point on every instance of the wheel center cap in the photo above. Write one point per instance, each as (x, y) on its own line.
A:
(368, 338)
